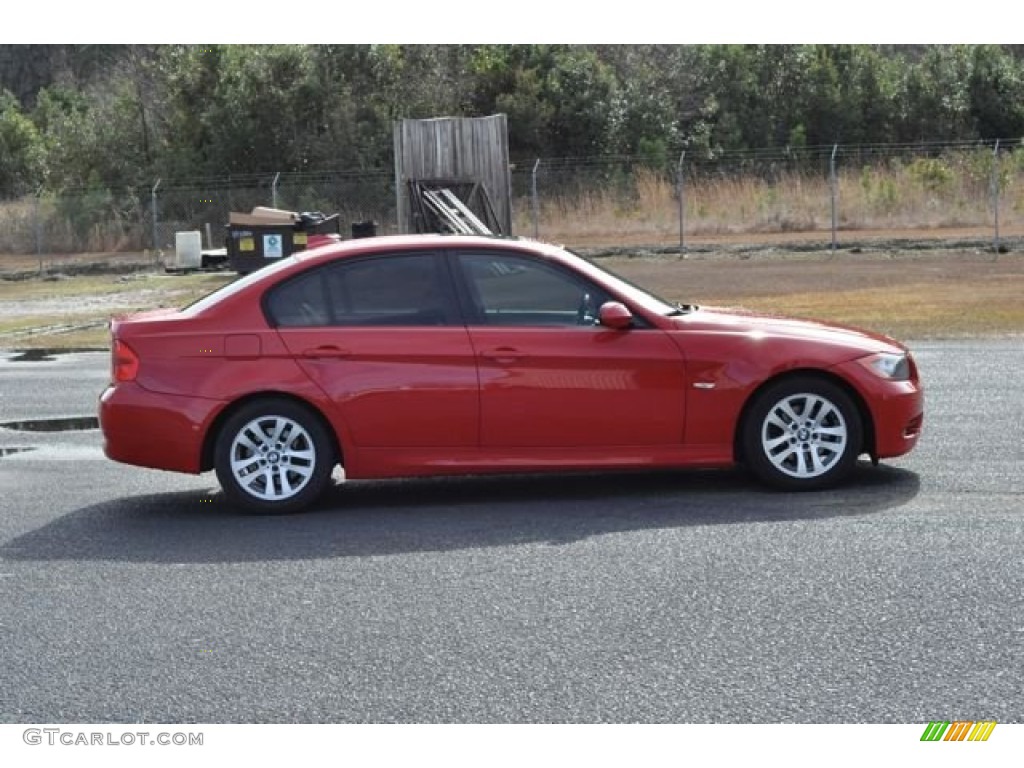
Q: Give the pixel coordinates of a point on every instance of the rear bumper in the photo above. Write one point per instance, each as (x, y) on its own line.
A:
(150, 429)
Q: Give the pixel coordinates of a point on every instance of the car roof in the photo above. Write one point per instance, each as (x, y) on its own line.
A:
(371, 245)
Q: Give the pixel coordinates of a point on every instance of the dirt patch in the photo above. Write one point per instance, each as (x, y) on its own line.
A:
(17, 267)
(908, 294)
(62, 306)
(815, 240)
(705, 276)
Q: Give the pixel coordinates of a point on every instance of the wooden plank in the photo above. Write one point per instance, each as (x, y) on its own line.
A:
(457, 149)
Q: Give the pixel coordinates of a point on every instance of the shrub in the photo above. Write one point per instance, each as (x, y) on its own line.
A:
(932, 174)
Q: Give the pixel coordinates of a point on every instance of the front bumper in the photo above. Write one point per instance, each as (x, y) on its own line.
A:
(896, 409)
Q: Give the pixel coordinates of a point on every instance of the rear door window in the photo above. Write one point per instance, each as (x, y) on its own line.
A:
(392, 290)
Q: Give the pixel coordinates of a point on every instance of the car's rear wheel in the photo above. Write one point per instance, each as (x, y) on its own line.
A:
(802, 433)
(273, 456)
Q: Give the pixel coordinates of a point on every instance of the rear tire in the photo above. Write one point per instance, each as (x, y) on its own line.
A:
(273, 456)
(802, 433)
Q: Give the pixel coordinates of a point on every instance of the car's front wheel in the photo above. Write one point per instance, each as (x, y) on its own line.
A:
(273, 456)
(802, 433)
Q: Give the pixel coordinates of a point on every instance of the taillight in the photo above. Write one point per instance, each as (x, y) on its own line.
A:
(124, 362)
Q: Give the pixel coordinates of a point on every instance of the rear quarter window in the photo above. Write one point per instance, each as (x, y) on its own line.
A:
(300, 302)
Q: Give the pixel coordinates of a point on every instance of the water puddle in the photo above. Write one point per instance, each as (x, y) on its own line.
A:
(12, 451)
(60, 452)
(44, 355)
(67, 424)
(32, 356)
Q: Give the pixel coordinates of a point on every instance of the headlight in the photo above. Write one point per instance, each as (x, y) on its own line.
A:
(888, 365)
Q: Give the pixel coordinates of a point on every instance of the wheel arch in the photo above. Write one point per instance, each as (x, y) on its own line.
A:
(206, 456)
(866, 418)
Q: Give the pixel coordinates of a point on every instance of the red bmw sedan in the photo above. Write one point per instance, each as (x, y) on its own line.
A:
(433, 354)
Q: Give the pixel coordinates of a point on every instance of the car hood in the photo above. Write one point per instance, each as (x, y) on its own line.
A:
(746, 322)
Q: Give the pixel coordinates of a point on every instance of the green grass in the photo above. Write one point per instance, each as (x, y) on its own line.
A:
(72, 302)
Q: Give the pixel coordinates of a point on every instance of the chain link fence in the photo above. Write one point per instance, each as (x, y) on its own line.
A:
(838, 194)
(827, 194)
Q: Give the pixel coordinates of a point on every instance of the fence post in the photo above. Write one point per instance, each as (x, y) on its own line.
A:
(834, 185)
(535, 200)
(681, 194)
(995, 197)
(273, 190)
(156, 236)
(37, 217)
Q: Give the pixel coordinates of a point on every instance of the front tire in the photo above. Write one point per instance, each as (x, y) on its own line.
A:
(273, 456)
(802, 433)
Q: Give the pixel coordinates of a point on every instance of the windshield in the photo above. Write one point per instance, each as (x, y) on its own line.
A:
(630, 290)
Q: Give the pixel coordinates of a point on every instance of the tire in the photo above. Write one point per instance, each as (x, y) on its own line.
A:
(273, 456)
(802, 433)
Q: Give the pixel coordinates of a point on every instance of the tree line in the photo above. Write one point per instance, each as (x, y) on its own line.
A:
(118, 117)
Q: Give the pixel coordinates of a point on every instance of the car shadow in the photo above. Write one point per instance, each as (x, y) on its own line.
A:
(368, 518)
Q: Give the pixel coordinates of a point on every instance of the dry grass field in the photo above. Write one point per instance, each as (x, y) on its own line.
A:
(911, 295)
(912, 292)
(919, 199)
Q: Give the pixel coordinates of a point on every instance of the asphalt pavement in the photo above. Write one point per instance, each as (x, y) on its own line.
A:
(131, 595)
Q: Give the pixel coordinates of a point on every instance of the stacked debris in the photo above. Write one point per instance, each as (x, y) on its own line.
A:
(460, 208)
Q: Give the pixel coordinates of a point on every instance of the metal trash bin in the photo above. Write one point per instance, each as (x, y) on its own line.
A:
(266, 235)
(251, 246)
(364, 229)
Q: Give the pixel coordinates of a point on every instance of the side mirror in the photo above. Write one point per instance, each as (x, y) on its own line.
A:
(615, 315)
